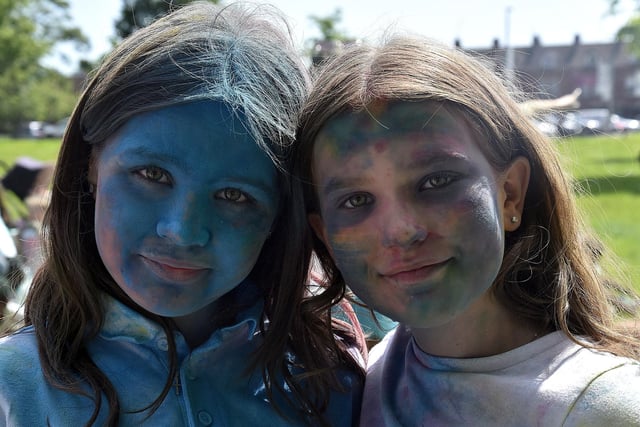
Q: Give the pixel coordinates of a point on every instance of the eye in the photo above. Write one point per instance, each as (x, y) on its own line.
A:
(357, 200)
(437, 180)
(154, 174)
(232, 195)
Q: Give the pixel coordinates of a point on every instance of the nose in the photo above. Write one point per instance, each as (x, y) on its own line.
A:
(185, 223)
(401, 227)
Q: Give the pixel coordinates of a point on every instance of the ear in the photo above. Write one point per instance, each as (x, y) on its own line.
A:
(514, 182)
(317, 225)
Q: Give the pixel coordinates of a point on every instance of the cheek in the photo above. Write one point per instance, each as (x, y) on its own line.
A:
(108, 234)
(109, 247)
(239, 249)
(485, 218)
(347, 239)
(238, 242)
(351, 247)
(245, 221)
(120, 210)
(479, 232)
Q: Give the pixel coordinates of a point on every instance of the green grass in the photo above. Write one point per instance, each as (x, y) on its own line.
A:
(608, 170)
(45, 150)
(39, 149)
(607, 167)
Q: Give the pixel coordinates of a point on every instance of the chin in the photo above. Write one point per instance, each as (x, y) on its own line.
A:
(420, 321)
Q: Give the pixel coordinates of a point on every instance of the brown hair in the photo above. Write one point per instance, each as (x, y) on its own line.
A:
(548, 273)
(239, 55)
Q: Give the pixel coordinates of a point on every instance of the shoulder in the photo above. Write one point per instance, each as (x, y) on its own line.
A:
(18, 360)
(18, 351)
(21, 378)
(393, 345)
(580, 361)
(612, 397)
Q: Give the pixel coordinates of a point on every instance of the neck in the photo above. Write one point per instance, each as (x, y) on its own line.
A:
(197, 327)
(485, 329)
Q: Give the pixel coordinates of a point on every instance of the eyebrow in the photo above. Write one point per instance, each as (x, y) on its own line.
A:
(155, 155)
(338, 183)
(425, 159)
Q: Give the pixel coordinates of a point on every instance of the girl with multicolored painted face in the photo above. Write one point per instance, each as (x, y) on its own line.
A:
(177, 249)
(439, 204)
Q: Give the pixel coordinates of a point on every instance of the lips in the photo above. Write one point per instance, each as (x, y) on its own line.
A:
(172, 270)
(417, 273)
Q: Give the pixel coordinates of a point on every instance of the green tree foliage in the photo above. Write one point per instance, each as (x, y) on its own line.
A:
(52, 96)
(136, 14)
(29, 29)
(328, 26)
(332, 38)
(630, 32)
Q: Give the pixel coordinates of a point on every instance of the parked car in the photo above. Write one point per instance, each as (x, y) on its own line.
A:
(30, 129)
(595, 121)
(545, 126)
(569, 124)
(558, 124)
(55, 130)
(624, 124)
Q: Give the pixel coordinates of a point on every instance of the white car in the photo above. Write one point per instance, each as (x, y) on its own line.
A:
(55, 130)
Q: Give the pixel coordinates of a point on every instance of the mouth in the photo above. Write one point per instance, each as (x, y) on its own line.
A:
(175, 271)
(411, 275)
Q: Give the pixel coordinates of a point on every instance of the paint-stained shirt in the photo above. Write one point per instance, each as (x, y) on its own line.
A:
(209, 389)
(549, 382)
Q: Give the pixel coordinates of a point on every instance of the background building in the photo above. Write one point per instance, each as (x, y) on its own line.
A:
(607, 73)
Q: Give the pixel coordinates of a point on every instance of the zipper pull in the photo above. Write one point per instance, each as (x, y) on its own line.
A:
(177, 384)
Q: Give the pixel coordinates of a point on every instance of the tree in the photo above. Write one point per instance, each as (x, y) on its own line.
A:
(52, 96)
(328, 26)
(136, 14)
(332, 38)
(630, 32)
(29, 29)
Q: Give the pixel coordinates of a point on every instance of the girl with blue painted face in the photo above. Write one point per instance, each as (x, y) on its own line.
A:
(439, 204)
(177, 252)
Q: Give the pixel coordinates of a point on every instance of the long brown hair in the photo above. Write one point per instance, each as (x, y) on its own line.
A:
(548, 273)
(242, 56)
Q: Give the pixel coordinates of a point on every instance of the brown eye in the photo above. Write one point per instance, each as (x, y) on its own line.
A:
(438, 181)
(154, 174)
(232, 195)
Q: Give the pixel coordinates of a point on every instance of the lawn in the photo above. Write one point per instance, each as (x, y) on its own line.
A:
(608, 168)
(40, 149)
(10, 149)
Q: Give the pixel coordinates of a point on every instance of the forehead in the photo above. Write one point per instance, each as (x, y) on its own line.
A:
(382, 122)
(209, 117)
(181, 128)
(204, 137)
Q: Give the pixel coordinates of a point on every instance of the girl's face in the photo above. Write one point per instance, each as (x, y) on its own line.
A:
(184, 201)
(410, 209)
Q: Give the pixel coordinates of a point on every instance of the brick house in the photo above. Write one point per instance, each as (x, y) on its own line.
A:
(607, 73)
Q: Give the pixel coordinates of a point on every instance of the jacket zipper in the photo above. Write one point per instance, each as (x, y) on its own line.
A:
(177, 384)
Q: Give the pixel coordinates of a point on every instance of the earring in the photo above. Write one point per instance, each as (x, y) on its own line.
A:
(92, 188)
(514, 219)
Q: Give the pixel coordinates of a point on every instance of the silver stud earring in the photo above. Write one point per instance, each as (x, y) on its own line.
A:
(92, 188)
(514, 219)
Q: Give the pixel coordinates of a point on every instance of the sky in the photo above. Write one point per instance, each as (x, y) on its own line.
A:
(475, 23)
